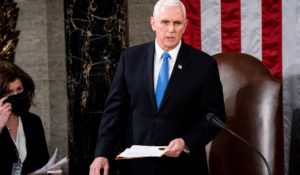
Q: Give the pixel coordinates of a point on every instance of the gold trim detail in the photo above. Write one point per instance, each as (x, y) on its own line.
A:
(8, 34)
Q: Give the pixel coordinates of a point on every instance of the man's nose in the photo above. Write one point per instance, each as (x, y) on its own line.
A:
(171, 27)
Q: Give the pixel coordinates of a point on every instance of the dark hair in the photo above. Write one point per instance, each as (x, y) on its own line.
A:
(9, 72)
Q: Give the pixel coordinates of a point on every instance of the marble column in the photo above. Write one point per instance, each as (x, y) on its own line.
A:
(41, 53)
(96, 32)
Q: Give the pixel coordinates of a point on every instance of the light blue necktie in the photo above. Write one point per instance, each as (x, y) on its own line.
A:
(163, 77)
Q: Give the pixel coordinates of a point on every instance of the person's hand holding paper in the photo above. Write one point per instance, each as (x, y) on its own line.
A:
(175, 148)
(140, 151)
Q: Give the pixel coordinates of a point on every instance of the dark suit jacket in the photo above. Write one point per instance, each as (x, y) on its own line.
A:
(37, 151)
(194, 89)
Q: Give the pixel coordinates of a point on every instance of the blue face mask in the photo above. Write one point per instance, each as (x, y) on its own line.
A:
(20, 103)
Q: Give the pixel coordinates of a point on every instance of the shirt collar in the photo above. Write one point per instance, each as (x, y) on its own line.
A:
(173, 53)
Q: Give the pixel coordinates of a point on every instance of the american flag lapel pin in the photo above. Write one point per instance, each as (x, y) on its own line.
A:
(179, 66)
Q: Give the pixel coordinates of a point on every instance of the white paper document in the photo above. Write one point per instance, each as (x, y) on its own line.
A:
(140, 151)
(51, 165)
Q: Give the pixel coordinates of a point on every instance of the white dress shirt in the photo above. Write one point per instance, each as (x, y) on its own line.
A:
(158, 60)
(20, 141)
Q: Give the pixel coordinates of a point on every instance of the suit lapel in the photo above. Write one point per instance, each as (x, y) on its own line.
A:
(180, 66)
(149, 73)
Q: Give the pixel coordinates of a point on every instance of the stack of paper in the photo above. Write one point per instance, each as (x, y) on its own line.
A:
(51, 165)
(140, 151)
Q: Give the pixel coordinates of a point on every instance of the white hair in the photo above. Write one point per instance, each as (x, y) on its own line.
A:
(164, 3)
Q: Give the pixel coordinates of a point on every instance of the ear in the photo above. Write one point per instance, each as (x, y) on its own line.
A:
(152, 22)
(186, 23)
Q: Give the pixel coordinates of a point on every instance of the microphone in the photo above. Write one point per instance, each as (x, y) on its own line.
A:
(212, 118)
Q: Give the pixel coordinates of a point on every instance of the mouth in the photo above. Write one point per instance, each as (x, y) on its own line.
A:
(170, 38)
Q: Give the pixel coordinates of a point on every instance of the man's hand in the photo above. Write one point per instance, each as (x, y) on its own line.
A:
(100, 163)
(175, 148)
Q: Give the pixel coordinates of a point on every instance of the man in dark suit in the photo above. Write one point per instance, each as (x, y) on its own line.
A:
(147, 112)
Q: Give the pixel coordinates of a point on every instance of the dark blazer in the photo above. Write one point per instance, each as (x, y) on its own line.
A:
(194, 89)
(37, 151)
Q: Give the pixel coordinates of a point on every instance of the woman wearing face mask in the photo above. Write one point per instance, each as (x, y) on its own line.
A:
(23, 146)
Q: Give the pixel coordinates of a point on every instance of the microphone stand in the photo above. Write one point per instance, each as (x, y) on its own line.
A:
(216, 121)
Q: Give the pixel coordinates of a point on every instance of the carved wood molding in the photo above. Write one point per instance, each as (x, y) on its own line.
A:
(8, 34)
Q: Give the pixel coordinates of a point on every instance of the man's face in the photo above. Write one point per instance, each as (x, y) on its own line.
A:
(169, 26)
